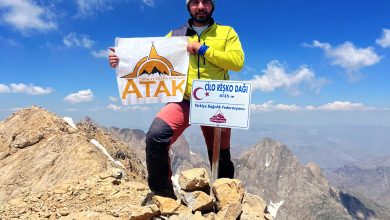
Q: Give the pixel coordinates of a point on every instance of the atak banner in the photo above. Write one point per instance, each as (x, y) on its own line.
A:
(151, 70)
(220, 103)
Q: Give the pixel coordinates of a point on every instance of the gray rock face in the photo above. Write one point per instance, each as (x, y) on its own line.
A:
(371, 181)
(271, 171)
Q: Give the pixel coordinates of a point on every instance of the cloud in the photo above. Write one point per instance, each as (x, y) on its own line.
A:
(150, 3)
(87, 8)
(344, 106)
(384, 41)
(116, 108)
(25, 89)
(10, 42)
(113, 99)
(25, 15)
(270, 106)
(100, 54)
(80, 96)
(12, 109)
(276, 76)
(75, 40)
(348, 57)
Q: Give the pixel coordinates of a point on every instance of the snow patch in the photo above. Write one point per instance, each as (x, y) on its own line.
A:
(267, 163)
(192, 153)
(273, 207)
(175, 183)
(104, 151)
(70, 122)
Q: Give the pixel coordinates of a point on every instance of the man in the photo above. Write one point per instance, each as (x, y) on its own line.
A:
(214, 50)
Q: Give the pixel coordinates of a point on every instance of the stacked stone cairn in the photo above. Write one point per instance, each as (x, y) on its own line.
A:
(229, 201)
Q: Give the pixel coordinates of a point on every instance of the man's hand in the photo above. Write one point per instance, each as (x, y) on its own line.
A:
(193, 47)
(112, 58)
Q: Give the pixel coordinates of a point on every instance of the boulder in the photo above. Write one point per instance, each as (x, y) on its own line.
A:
(197, 201)
(253, 207)
(227, 191)
(230, 211)
(169, 206)
(194, 179)
(144, 212)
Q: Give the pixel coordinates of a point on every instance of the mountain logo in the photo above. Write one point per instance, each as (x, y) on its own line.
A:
(218, 117)
(152, 66)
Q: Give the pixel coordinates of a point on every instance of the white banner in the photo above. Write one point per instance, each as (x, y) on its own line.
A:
(151, 70)
(220, 103)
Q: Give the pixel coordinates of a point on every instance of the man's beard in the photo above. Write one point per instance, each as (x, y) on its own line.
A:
(204, 19)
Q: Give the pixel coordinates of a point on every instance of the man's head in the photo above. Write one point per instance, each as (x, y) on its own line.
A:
(201, 10)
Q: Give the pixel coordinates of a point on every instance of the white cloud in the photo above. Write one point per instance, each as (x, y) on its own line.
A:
(26, 89)
(12, 109)
(276, 76)
(344, 106)
(88, 8)
(348, 56)
(113, 99)
(4, 88)
(116, 108)
(10, 42)
(75, 40)
(71, 110)
(150, 3)
(269, 106)
(101, 53)
(80, 96)
(26, 15)
(384, 41)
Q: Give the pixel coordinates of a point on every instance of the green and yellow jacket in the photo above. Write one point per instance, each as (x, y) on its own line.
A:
(224, 53)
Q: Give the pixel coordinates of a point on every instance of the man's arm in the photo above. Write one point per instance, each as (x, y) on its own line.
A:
(230, 59)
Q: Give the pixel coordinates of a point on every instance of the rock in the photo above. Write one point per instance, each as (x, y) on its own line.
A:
(169, 206)
(198, 201)
(144, 212)
(88, 215)
(26, 139)
(252, 207)
(227, 191)
(230, 211)
(268, 216)
(188, 216)
(194, 179)
(210, 216)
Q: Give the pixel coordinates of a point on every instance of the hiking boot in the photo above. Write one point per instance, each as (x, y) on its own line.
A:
(168, 193)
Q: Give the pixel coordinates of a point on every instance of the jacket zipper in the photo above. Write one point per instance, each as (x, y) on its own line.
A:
(204, 59)
(198, 60)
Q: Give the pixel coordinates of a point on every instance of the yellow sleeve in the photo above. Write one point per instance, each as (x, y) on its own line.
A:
(230, 59)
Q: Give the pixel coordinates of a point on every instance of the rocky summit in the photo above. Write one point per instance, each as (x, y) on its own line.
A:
(51, 168)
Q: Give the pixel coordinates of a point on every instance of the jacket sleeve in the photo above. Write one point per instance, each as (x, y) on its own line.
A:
(230, 59)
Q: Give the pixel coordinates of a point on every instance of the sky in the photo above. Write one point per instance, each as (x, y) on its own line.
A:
(309, 62)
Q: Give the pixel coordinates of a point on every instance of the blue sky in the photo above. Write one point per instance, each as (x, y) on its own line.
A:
(310, 62)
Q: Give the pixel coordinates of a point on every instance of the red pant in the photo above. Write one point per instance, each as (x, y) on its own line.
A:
(176, 115)
(168, 125)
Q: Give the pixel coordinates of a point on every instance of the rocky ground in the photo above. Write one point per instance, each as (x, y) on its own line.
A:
(51, 168)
